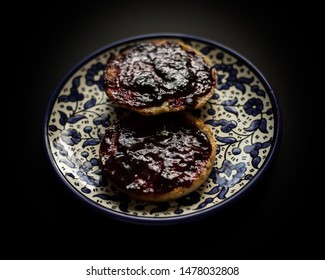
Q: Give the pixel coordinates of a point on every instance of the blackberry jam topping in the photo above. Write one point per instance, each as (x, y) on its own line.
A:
(154, 154)
(147, 75)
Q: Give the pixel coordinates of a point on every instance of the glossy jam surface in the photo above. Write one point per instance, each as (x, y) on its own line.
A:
(149, 74)
(154, 155)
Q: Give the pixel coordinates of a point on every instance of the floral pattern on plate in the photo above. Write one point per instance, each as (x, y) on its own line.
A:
(242, 114)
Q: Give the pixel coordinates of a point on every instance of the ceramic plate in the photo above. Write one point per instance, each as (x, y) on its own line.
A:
(243, 113)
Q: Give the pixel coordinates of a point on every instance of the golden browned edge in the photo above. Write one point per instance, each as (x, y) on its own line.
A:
(202, 177)
(110, 74)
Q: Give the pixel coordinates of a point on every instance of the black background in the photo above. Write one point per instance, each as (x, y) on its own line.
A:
(277, 220)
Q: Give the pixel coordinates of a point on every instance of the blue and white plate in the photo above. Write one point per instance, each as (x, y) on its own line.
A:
(243, 113)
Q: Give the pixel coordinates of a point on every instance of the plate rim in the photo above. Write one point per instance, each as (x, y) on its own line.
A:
(177, 219)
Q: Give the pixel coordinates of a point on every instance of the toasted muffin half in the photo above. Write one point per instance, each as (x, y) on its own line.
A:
(158, 158)
(160, 76)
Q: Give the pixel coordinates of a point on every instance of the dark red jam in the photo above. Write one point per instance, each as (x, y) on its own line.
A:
(154, 154)
(149, 74)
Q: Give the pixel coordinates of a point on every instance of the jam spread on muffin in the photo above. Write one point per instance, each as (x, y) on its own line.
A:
(154, 75)
(147, 157)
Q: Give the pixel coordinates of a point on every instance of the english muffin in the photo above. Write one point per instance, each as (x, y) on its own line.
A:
(159, 76)
(157, 158)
